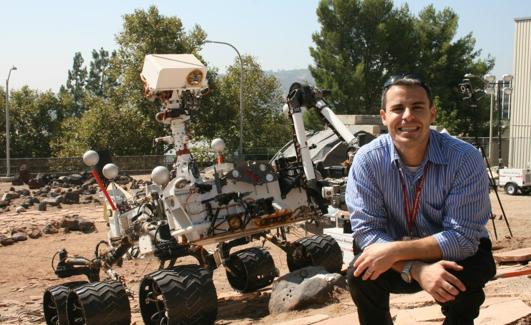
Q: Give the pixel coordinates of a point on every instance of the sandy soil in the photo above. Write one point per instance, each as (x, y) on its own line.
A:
(25, 267)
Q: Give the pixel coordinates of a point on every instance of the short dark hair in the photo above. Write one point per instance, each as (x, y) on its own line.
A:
(406, 79)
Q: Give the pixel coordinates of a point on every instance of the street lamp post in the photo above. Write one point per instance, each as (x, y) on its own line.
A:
(240, 148)
(496, 88)
(8, 163)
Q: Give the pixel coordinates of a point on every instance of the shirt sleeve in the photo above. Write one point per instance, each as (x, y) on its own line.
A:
(467, 209)
(365, 204)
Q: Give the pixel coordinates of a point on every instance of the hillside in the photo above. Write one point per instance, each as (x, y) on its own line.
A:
(287, 77)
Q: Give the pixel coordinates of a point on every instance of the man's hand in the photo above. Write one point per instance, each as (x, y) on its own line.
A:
(375, 260)
(437, 281)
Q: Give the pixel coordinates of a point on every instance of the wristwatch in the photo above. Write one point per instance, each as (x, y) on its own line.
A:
(406, 272)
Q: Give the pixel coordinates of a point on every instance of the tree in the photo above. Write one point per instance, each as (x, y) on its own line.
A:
(444, 63)
(100, 81)
(75, 84)
(118, 112)
(34, 119)
(363, 42)
(358, 44)
(121, 130)
(264, 124)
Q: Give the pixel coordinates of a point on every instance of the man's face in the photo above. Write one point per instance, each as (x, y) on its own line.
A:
(408, 115)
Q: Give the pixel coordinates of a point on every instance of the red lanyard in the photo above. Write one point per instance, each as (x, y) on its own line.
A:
(411, 212)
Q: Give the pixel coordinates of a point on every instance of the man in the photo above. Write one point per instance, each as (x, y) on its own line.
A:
(418, 203)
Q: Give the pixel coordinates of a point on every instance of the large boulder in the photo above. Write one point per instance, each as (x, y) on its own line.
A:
(10, 196)
(71, 197)
(74, 222)
(35, 233)
(53, 201)
(51, 228)
(19, 236)
(24, 192)
(299, 289)
(6, 241)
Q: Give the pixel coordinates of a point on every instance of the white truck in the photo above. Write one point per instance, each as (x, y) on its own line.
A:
(514, 180)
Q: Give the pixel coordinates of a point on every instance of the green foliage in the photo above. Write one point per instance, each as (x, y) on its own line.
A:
(121, 130)
(100, 81)
(34, 119)
(118, 117)
(219, 115)
(363, 42)
(75, 85)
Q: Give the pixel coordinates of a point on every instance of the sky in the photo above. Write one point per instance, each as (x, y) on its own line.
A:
(41, 37)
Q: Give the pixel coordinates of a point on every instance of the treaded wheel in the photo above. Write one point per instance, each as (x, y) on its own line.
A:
(252, 269)
(54, 302)
(183, 295)
(98, 303)
(318, 250)
(511, 188)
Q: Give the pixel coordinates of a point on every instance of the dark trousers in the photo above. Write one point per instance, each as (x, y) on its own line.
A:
(372, 297)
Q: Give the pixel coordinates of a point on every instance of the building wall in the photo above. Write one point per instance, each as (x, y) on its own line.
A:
(520, 123)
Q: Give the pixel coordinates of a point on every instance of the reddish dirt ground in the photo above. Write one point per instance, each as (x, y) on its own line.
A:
(25, 268)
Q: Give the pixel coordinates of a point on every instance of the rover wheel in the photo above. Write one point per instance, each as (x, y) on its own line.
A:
(511, 188)
(54, 302)
(251, 269)
(182, 295)
(319, 250)
(98, 303)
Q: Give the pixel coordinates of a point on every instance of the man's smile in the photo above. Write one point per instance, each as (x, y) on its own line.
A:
(408, 128)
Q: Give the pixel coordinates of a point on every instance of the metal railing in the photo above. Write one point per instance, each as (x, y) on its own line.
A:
(129, 164)
(61, 166)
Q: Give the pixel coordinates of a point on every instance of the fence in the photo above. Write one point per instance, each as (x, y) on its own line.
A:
(145, 163)
(129, 164)
(60, 166)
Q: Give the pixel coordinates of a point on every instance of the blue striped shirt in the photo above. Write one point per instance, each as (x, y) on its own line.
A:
(454, 203)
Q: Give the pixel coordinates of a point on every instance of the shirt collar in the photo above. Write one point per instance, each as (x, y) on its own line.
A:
(434, 155)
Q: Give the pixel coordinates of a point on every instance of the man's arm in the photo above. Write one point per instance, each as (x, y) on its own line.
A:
(466, 210)
(378, 258)
(364, 200)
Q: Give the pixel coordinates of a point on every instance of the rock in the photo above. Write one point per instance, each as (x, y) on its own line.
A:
(6, 241)
(42, 206)
(30, 200)
(4, 204)
(20, 209)
(75, 222)
(71, 197)
(18, 229)
(75, 179)
(10, 196)
(53, 201)
(51, 228)
(86, 226)
(298, 289)
(20, 236)
(35, 183)
(24, 192)
(122, 180)
(35, 233)
(17, 181)
(89, 182)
